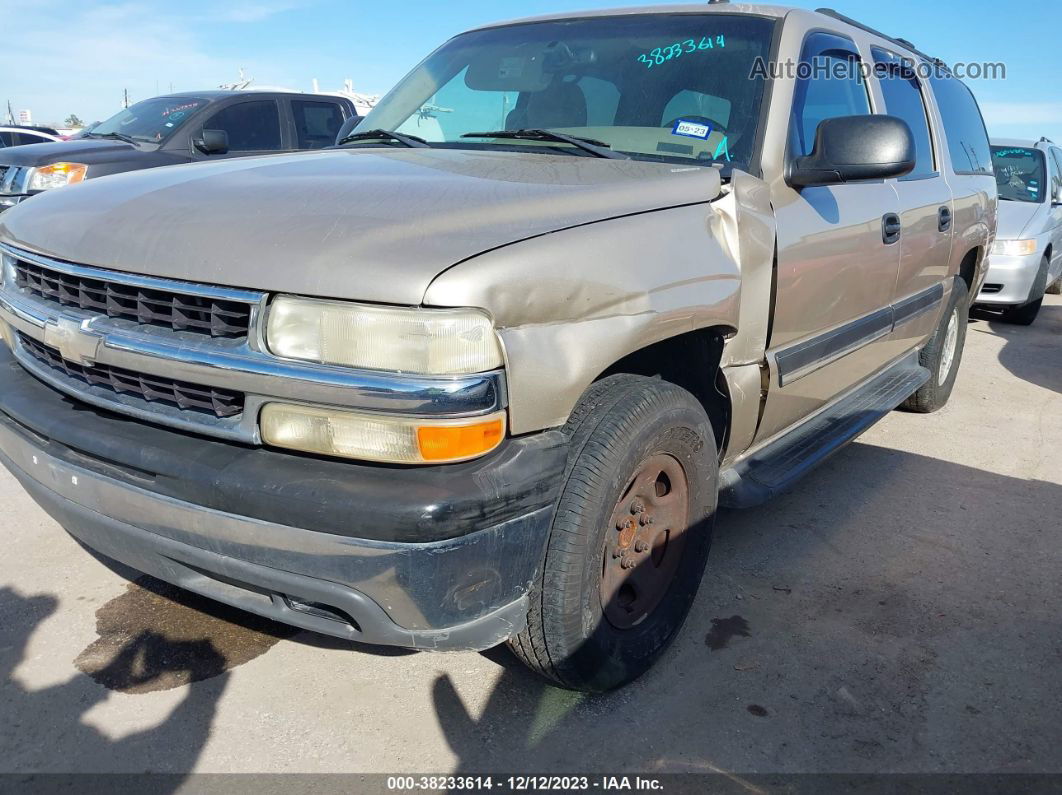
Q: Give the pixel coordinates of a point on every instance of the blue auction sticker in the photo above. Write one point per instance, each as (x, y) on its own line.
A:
(692, 129)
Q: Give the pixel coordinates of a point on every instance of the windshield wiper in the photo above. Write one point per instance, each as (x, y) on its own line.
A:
(120, 136)
(411, 141)
(596, 148)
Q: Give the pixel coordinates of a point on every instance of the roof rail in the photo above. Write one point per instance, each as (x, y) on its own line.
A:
(829, 12)
(1045, 140)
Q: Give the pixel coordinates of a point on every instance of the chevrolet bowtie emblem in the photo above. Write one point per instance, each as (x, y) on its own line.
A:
(73, 338)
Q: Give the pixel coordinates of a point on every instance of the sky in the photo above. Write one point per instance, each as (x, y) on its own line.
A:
(63, 57)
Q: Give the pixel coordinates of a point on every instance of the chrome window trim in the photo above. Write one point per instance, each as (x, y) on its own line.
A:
(239, 365)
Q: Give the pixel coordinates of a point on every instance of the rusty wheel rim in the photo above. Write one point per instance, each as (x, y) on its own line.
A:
(644, 541)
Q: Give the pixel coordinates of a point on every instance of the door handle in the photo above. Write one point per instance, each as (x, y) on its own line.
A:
(890, 228)
(944, 219)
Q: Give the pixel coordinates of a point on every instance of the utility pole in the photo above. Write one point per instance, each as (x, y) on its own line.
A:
(10, 113)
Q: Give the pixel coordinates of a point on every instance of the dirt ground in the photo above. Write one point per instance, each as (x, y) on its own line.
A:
(898, 612)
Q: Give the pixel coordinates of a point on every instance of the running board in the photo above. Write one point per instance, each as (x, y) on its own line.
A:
(775, 468)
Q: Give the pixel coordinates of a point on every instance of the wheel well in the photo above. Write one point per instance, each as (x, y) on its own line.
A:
(968, 268)
(691, 361)
(1047, 252)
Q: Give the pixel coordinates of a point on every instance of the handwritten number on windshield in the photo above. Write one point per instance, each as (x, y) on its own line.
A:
(660, 55)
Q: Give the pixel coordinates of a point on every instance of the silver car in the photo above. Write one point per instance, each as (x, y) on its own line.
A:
(1026, 260)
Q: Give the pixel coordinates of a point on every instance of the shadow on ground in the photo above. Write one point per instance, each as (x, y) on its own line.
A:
(1032, 353)
(56, 714)
(896, 613)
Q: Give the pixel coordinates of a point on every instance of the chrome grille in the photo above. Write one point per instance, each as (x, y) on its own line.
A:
(221, 403)
(172, 310)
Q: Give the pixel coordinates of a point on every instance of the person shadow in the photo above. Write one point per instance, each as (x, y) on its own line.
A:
(53, 717)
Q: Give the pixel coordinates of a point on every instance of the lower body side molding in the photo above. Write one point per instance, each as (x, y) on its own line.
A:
(774, 468)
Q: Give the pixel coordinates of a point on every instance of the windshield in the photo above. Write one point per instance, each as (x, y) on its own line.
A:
(152, 120)
(672, 87)
(1020, 173)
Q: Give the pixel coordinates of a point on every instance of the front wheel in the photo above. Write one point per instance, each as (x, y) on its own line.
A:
(630, 535)
(943, 353)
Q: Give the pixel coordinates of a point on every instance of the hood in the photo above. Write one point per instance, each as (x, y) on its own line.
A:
(364, 224)
(1017, 219)
(82, 150)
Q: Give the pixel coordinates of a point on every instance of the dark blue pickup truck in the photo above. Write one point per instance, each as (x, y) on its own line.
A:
(179, 128)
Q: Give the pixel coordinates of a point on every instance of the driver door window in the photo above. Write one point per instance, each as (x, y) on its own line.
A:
(251, 126)
(834, 88)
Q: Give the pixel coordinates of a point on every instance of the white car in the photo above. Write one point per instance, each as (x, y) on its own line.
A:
(20, 136)
(1026, 260)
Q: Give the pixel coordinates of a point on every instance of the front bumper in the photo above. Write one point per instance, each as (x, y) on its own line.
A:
(8, 201)
(1010, 280)
(463, 585)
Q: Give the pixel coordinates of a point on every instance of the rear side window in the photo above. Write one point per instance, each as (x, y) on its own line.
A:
(316, 123)
(963, 126)
(1056, 175)
(834, 87)
(251, 126)
(24, 138)
(903, 99)
(7, 139)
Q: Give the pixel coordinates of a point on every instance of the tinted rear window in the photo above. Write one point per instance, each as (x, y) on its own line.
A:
(963, 126)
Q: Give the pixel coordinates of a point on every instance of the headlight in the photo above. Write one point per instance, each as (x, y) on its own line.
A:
(1014, 248)
(369, 437)
(56, 175)
(426, 341)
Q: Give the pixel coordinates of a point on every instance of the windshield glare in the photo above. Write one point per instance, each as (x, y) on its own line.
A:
(672, 87)
(1020, 173)
(152, 120)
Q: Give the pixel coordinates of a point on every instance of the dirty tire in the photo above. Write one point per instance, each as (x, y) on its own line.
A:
(622, 422)
(934, 394)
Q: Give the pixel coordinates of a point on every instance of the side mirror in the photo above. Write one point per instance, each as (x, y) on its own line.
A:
(348, 125)
(854, 148)
(1057, 198)
(212, 142)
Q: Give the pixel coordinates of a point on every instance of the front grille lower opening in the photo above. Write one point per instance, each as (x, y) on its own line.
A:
(175, 311)
(220, 403)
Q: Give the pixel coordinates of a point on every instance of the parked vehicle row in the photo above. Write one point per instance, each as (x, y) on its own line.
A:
(180, 128)
(25, 135)
(484, 372)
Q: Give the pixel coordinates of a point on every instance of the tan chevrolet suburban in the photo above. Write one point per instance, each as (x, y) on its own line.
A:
(483, 372)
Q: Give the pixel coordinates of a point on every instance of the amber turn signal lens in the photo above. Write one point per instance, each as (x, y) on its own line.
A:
(377, 437)
(57, 175)
(459, 442)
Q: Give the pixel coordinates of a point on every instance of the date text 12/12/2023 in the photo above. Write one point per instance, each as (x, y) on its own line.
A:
(524, 783)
